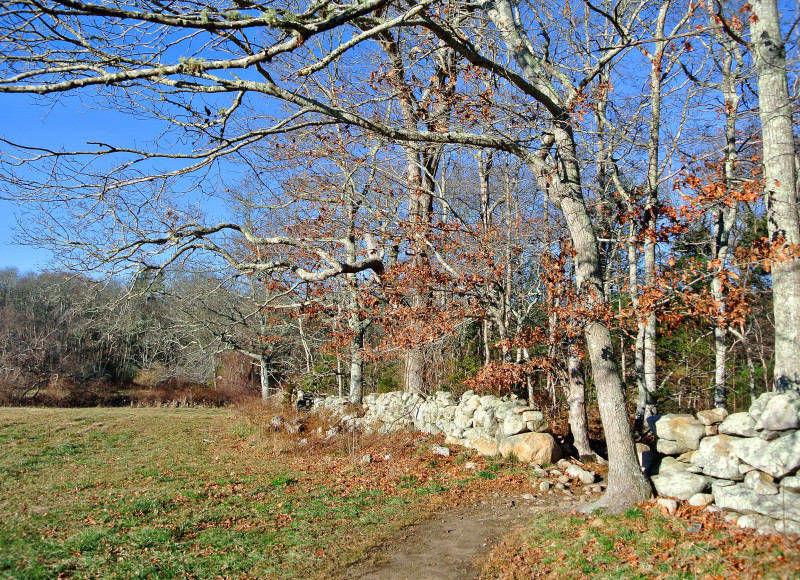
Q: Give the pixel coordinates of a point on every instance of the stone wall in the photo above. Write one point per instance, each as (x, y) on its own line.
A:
(488, 424)
(746, 462)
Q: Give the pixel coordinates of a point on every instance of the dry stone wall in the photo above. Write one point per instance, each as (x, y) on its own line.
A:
(745, 462)
(487, 423)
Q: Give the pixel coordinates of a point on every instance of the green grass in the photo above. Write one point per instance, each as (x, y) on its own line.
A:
(172, 493)
(639, 544)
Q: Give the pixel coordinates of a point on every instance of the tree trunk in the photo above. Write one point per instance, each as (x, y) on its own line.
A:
(414, 370)
(626, 484)
(263, 368)
(357, 368)
(780, 179)
(576, 400)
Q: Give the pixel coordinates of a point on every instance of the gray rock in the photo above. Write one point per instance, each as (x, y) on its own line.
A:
(744, 469)
(670, 505)
(724, 482)
(535, 421)
(470, 465)
(784, 504)
(440, 450)
(660, 425)
(760, 404)
(755, 522)
(740, 424)
(767, 435)
(583, 475)
(687, 431)
(712, 416)
(680, 484)
(670, 447)
(512, 425)
(701, 499)
(528, 496)
(717, 457)
(777, 458)
(761, 483)
(365, 460)
(668, 465)
(792, 483)
(544, 486)
(787, 527)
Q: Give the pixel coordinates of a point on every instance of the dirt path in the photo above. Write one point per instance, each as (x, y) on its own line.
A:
(445, 546)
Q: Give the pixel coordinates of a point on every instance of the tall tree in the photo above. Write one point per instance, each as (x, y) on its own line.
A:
(780, 186)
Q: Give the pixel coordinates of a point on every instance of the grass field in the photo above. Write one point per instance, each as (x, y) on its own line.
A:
(193, 493)
(174, 493)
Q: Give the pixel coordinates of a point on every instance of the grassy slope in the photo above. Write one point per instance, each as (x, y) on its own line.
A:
(640, 544)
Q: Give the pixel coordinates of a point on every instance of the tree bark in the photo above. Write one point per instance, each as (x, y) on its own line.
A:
(357, 367)
(780, 179)
(576, 401)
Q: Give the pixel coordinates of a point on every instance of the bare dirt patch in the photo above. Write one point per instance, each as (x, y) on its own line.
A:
(447, 545)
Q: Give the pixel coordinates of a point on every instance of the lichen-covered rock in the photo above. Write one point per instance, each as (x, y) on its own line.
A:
(687, 432)
(535, 421)
(761, 483)
(583, 475)
(712, 416)
(740, 498)
(670, 447)
(781, 413)
(513, 424)
(739, 424)
(668, 465)
(532, 447)
(757, 408)
(660, 425)
(680, 484)
(776, 458)
(792, 483)
(717, 458)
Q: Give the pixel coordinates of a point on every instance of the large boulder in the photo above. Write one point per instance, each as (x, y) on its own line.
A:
(680, 484)
(777, 458)
(739, 424)
(717, 458)
(531, 448)
(486, 446)
(740, 498)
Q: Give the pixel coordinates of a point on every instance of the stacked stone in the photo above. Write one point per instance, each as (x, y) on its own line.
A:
(748, 461)
(488, 424)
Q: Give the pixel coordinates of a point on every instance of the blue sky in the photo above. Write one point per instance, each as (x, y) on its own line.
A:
(31, 121)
